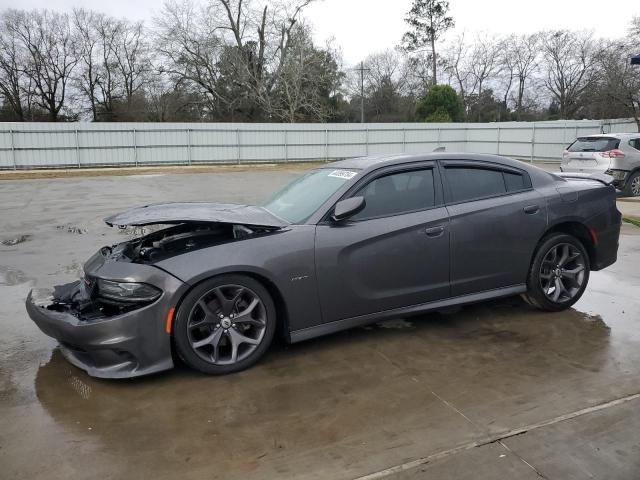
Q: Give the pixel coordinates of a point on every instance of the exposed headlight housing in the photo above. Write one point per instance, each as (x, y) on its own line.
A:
(617, 174)
(126, 292)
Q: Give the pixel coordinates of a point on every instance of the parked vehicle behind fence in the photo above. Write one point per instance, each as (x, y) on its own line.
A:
(616, 154)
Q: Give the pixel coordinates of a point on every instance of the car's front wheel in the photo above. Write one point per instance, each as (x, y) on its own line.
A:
(559, 273)
(225, 324)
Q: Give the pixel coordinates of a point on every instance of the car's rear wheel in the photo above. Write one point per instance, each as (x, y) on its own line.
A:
(225, 324)
(632, 188)
(559, 273)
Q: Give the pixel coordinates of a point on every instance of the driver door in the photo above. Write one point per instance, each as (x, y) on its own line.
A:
(394, 253)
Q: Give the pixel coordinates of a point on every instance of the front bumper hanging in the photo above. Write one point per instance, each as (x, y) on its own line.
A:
(128, 344)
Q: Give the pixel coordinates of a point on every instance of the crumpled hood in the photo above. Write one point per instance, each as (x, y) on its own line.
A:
(174, 213)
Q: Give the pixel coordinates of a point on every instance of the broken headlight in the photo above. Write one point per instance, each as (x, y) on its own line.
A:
(126, 292)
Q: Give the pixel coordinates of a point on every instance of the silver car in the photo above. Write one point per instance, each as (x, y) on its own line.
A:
(616, 154)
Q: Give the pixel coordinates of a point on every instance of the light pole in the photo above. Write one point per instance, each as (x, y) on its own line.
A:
(361, 69)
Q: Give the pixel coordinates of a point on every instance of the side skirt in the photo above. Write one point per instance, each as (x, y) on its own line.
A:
(338, 325)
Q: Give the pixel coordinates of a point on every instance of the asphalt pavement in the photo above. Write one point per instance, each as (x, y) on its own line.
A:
(494, 390)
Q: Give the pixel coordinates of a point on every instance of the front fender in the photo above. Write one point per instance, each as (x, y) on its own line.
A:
(285, 259)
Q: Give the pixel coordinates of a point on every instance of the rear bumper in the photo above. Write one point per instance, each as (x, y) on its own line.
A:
(606, 248)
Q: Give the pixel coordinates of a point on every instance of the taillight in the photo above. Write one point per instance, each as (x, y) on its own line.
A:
(613, 154)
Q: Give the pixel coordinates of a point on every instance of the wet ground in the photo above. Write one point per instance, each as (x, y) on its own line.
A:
(495, 390)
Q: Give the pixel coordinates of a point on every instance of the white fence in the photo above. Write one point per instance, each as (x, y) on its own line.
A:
(63, 145)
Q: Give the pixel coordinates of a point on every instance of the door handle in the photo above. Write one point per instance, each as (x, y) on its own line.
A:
(435, 232)
(531, 209)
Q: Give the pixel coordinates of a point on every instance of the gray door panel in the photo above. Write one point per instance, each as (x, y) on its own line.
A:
(379, 264)
(492, 240)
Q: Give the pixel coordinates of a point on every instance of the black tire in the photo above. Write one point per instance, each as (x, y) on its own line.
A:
(541, 281)
(193, 325)
(632, 187)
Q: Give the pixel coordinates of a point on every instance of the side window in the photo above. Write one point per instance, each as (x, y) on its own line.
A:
(635, 143)
(469, 183)
(514, 181)
(397, 193)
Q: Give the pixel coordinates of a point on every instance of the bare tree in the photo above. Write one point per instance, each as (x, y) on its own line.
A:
(428, 20)
(230, 39)
(307, 78)
(262, 39)
(52, 56)
(12, 65)
(485, 62)
(456, 66)
(523, 52)
(88, 76)
(109, 91)
(192, 48)
(619, 80)
(569, 58)
(391, 85)
(131, 56)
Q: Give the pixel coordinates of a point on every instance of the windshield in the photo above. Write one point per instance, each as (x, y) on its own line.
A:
(297, 201)
(594, 144)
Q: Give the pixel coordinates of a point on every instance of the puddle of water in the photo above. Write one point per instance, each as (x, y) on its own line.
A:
(11, 276)
(10, 242)
(73, 229)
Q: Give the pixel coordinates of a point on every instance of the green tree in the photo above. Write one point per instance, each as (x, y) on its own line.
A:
(440, 104)
(428, 20)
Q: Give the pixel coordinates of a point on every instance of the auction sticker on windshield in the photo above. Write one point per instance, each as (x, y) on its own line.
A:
(346, 174)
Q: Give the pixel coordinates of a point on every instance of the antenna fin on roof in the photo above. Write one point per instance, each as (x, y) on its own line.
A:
(440, 149)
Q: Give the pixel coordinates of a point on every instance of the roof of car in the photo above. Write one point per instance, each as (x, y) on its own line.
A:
(363, 163)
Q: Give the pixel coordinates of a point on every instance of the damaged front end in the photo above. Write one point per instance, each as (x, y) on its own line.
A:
(111, 323)
(115, 322)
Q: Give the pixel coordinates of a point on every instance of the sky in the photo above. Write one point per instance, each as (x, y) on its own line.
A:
(363, 27)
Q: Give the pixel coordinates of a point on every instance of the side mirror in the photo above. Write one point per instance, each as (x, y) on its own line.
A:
(347, 208)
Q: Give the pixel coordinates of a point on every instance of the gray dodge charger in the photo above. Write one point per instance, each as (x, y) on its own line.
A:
(351, 243)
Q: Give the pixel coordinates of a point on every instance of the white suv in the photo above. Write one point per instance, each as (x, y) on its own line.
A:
(616, 154)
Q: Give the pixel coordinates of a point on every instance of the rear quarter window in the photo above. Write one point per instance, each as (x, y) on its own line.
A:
(515, 181)
(594, 144)
(470, 183)
(474, 183)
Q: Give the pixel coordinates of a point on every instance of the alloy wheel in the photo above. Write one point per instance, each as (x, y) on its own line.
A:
(226, 324)
(562, 272)
(635, 186)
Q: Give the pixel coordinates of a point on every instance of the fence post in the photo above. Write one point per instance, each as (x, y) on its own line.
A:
(238, 142)
(438, 139)
(533, 142)
(404, 140)
(326, 144)
(135, 147)
(13, 150)
(498, 140)
(466, 138)
(286, 145)
(77, 148)
(189, 154)
(366, 141)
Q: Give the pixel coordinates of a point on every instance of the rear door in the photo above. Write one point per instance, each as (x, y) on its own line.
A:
(496, 220)
(394, 253)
